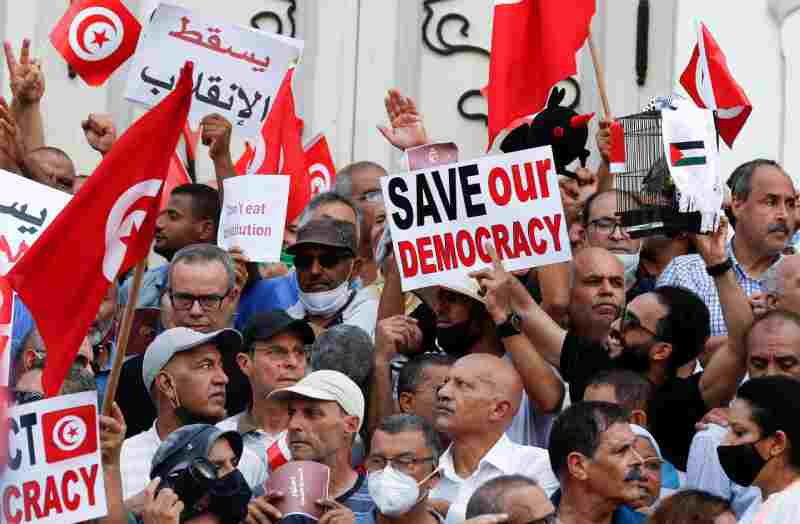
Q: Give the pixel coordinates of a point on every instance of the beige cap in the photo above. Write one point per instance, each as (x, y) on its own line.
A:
(327, 384)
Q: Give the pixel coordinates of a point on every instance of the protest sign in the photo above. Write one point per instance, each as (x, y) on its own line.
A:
(430, 155)
(26, 209)
(54, 473)
(303, 483)
(237, 70)
(441, 218)
(254, 215)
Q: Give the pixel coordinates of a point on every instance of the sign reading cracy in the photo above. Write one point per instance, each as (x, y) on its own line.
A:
(442, 217)
(237, 70)
(54, 473)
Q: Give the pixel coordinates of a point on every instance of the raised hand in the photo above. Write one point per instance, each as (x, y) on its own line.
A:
(112, 435)
(407, 127)
(603, 139)
(495, 286)
(25, 75)
(9, 134)
(100, 132)
(216, 134)
(713, 247)
(397, 334)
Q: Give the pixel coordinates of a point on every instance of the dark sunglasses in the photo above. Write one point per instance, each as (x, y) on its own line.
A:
(304, 261)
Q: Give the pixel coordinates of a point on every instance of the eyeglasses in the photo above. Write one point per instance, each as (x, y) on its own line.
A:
(608, 226)
(329, 260)
(630, 321)
(185, 301)
(404, 463)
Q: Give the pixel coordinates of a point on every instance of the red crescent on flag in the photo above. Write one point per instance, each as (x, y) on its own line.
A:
(84, 25)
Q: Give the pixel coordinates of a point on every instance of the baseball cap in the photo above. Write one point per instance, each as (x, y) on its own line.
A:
(263, 326)
(326, 231)
(327, 384)
(188, 443)
(179, 339)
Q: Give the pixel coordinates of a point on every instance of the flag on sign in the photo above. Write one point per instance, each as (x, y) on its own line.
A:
(69, 433)
(709, 82)
(95, 37)
(73, 262)
(321, 169)
(533, 47)
(692, 153)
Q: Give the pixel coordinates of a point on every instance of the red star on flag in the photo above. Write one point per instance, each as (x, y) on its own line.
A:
(100, 38)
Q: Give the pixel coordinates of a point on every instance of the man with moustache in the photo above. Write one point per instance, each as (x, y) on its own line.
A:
(597, 295)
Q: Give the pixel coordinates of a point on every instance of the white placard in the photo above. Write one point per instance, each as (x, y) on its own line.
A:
(26, 209)
(237, 70)
(254, 215)
(54, 473)
(441, 217)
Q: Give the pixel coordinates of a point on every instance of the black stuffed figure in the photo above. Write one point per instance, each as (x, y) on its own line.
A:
(557, 126)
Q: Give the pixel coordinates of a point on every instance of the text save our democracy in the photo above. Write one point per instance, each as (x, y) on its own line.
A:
(522, 216)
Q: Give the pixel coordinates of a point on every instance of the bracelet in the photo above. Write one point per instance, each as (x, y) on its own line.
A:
(720, 269)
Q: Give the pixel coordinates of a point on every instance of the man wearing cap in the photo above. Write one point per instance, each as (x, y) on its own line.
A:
(273, 356)
(326, 261)
(326, 411)
(182, 371)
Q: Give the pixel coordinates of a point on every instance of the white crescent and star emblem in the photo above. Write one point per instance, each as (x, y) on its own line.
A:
(95, 33)
(69, 433)
(122, 222)
(320, 178)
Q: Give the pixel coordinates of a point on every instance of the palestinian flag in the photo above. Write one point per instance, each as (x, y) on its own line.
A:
(691, 153)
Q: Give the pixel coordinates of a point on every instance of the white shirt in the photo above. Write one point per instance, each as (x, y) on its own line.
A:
(781, 508)
(505, 458)
(137, 455)
(362, 311)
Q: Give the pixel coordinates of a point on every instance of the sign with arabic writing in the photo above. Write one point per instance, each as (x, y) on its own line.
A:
(237, 70)
(26, 209)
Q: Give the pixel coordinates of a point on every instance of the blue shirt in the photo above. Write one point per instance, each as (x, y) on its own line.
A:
(622, 515)
(154, 282)
(266, 295)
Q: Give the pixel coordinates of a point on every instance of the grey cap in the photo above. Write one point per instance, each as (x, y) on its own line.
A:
(188, 443)
(178, 339)
(326, 231)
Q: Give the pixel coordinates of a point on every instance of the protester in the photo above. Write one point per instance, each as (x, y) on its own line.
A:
(418, 383)
(52, 167)
(624, 387)
(475, 407)
(517, 496)
(597, 295)
(326, 411)
(403, 461)
(592, 453)
(272, 356)
(693, 506)
(326, 261)
(764, 206)
(782, 285)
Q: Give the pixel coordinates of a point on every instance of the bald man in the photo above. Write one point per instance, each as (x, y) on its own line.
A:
(783, 284)
(52, 167)
(598, 293)
(474, 408)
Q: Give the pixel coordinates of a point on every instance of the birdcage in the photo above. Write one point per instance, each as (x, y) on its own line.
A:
(648, 200)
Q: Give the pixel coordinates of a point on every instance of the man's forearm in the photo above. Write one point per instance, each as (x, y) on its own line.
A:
(381, 401)
(541, 383)
(605, 179)
(543, 332)
(117, 514)
(223, 168)
(391, 302)
(31, 125)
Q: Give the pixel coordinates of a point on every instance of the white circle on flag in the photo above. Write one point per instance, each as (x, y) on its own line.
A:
(95, 33)
(321, 180)
(69, 433)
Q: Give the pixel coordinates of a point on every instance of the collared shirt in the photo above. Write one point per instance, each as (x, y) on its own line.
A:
(689, 271)
(362, 311)
(704, 472)
(154, 282)
(255, 439)
(504, 458)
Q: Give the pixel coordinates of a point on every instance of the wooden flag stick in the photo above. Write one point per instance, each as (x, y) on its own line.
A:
(122, 342)
(601, 79)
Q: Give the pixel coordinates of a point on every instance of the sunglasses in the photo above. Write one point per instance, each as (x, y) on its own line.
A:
(304, 261)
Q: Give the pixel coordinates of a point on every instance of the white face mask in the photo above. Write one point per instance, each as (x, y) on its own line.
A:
(631, 264)
(394, 492)
(326, 303)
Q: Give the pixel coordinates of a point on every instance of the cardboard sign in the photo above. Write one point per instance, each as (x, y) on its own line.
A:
(254, 215)
(303, 483)
(441, 218)
(237, 70)
(54, 474)
(26, 209)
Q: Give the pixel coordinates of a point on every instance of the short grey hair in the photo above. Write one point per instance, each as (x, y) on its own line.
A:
(329, 197)
(489, 497)
(78, 380)
(203, 253)
(347, 349)
(344, 177)
(772, 281)
(406, 422)
(741, 179)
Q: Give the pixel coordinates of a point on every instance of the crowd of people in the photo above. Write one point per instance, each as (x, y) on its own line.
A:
(646, 380)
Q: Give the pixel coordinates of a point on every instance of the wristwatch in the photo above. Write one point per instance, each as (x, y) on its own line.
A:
(510, 327)
(720, 269)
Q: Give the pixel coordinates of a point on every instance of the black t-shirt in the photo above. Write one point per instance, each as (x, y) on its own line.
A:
(676, 406)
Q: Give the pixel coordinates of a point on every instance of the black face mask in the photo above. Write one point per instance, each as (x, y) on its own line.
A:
(635, 358)
(456, 339)
(229, 497)
(742, 463)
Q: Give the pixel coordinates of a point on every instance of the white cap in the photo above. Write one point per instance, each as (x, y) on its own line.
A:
(330, 385)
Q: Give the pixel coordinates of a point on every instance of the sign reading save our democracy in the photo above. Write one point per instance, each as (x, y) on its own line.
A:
(54, 473)
(442, 218)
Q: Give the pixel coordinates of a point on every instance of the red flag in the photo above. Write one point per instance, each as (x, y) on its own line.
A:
(709, 82)
(281, 151)
(95, 37)
(533, 47)
(321, 169)
(104, 230)
(177, 174)
(244, 162)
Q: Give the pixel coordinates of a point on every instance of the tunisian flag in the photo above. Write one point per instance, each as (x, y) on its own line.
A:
(280, 150)
(319, 162)
(105, 229)
(709, 82)
(95, 37)
(533, 47)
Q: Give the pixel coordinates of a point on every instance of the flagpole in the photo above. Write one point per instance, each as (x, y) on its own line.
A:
(124, 335)
(601, 80)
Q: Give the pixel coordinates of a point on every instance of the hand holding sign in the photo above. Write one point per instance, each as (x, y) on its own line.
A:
(112, 435)
(495, 286)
